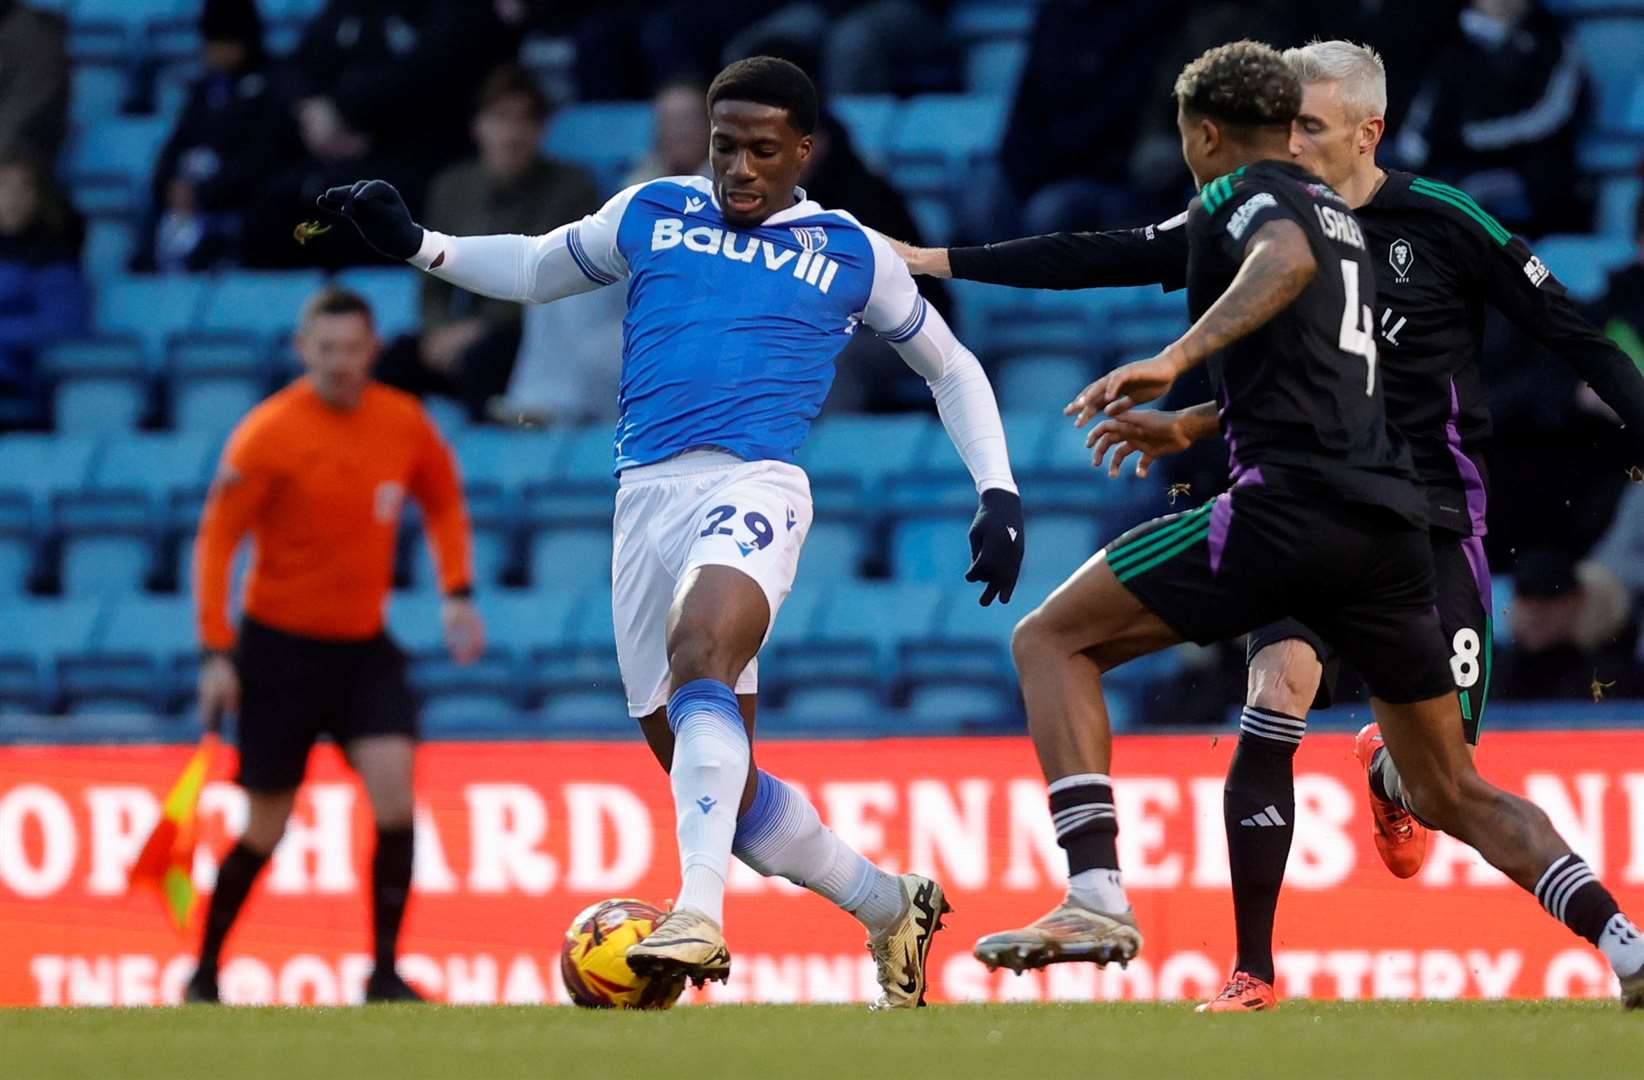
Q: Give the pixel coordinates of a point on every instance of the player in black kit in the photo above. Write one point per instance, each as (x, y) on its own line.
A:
(1439, 260)
(1324, 522)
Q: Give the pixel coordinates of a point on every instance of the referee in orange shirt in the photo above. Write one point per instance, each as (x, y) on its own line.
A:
(318, 474)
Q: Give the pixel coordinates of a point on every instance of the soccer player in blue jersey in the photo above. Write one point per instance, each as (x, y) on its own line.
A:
(741, 291)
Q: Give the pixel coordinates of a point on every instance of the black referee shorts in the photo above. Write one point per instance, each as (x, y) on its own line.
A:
(1465, 612)
(1361, 576)
(293, 689)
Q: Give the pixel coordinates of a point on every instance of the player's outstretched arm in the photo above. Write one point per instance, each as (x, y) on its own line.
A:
(574, 258)
(1155, 255)
(1278, 264)
(1520, 286)
(969, 412)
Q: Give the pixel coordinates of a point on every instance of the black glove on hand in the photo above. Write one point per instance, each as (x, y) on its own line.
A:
(996, 544)
(377, 210)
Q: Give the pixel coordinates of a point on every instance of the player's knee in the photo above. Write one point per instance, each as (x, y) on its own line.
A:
(1032, 636)
(1284, 678)
(692, 657)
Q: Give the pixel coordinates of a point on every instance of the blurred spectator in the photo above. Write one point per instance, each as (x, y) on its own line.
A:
(209, 171)
(1087, 94)
(871, 377)
(679, 134)
(42, 296)
(1498, 113)
(383, 89)
(628, 49)
(1620, 311)
(468, 343)
(1572, 636)
(1621, 549)
(852, 47)
(34, 81)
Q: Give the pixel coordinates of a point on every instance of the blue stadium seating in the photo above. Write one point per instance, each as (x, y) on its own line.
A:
(1026, 383)
(606, 137)
(97, 91)
(110, 243)
(571, 558)
(834, 550)
(99, 384)
(868, 117)
(935, 137)
(995, 67)
(260, 302)
(1582, 263)
(393, 294)
(109, 162)
(1610, 48)
(150, 309)
(136, 658)
(32, 636)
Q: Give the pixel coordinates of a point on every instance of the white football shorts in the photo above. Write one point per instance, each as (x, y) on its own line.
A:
(702, 508)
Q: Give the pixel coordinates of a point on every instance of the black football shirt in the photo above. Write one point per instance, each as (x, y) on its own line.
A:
(1439, 261)
(1300, 397)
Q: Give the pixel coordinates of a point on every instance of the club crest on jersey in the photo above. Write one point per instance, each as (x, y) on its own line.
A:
(809, 266)
(1402, 256)
(812, 238)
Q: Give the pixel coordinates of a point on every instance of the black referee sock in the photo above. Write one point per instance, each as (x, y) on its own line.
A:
(234, 880)
(1259, 811)
(390, 887)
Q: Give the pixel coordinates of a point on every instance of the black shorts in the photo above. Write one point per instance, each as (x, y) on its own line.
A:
(293, 689)
(1465, 611)
(1361, 576)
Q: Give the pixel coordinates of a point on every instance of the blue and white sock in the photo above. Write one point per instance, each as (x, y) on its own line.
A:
(710, 770)
(782, 835)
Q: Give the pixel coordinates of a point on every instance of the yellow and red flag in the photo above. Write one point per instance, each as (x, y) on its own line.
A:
(167, 861)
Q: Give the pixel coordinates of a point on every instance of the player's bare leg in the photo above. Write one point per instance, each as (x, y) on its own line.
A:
(1440, 783)
(1089, 624)
(715, 627)
(1259, 812)
(780, 834)
(385, 765)
(265, 824)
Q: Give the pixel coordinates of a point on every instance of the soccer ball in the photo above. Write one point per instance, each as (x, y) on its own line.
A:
(593, 960)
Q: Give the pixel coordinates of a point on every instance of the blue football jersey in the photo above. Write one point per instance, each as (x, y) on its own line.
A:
(730, 334)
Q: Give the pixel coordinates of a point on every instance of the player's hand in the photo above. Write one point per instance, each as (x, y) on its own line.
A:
(378, 212)
(1125, 387)
(931, 262)
(219, 690)
(464, 632)
(1149, 433)
(996, 538)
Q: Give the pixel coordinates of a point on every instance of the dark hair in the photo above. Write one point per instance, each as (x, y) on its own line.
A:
(334, 300)
(1245, 82)
(54, 217)
(511, 80)
(234, 20)
(765, 80)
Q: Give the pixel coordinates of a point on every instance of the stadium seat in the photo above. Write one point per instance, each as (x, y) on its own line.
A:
(151, 309)
(1583, 263)
(937, 136)
(497, 464)
(858, 629)
(469, 715)
(995, 67)
(1618, 198)
(1026, 383)
(577, 486)
(983, 20)
(261, 302)
(110, 160)
(136, 658)
(825, 708)
(847, 456)
(607, 137)
(834, 550)
(494, 556)
(38, 467)
(18, 547)
(584, 658)
(930, 547)
(107, 560)
(97, 90)
(523, 622)
(110, 243)
(571, 558)
(973, 706)
(600, 713)
(1610, 48)
(32, 636)
(99, 384)
(868, 117)
(393, 294)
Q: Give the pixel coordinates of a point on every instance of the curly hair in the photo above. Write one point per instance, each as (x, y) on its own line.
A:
(767, 80)
(1244, 82)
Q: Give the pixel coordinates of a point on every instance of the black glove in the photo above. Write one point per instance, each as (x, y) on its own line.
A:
(996, 544)
(377, 210)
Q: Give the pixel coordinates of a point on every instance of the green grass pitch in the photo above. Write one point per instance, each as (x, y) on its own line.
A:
(1428, 1041)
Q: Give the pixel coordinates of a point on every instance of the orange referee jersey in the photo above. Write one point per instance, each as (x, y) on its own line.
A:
(320, 490)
